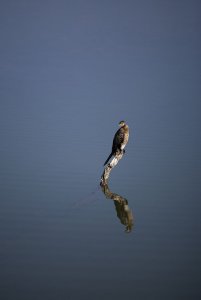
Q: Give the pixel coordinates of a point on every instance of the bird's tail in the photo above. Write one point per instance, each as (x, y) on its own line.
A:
(108, 158)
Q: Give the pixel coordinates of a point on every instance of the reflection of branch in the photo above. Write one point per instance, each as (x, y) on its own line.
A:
(124, 213)
(110, 166)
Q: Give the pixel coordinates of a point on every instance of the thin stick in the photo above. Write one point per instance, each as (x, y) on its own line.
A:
(109, 167)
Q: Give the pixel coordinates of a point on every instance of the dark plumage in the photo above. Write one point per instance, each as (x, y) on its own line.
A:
(120, 140)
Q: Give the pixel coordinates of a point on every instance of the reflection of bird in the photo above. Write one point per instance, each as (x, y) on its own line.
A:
(120, 140)
(124, 213)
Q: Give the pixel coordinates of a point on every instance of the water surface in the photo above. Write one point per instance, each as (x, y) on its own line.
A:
(70, 74)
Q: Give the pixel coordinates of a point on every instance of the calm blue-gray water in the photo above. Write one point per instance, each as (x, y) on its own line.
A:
(70, 71)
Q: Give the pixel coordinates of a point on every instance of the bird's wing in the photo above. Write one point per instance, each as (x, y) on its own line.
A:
(118, 139)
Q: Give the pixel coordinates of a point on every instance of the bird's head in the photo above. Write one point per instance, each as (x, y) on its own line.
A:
(121, 123)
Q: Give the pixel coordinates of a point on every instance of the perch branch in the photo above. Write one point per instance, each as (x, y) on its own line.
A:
(109, 167)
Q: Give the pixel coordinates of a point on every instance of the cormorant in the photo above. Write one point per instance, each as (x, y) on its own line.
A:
(120, 140)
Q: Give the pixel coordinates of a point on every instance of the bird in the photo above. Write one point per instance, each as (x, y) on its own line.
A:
(120, 140)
